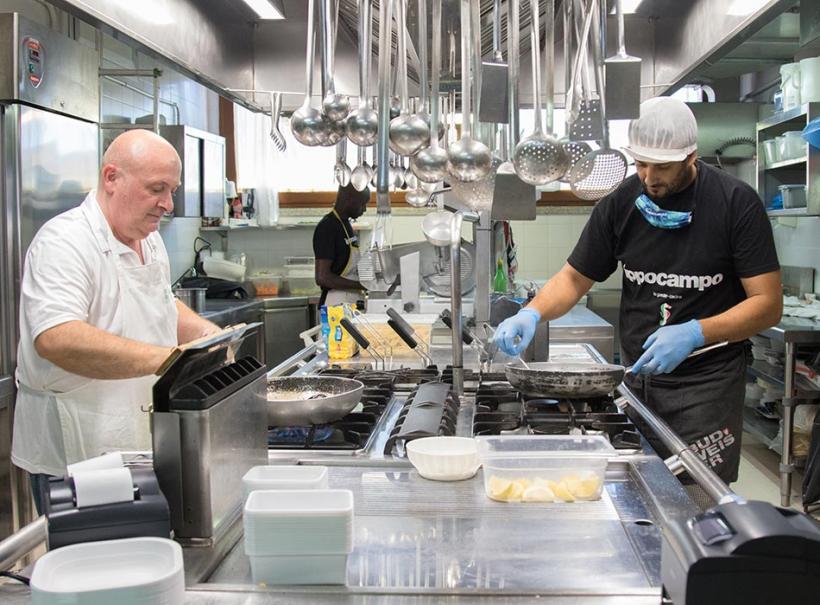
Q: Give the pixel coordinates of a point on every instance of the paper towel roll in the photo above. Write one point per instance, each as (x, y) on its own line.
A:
(103, 486)
(112, 460)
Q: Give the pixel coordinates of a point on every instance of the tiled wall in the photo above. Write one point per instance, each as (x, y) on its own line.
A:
(798, 244)
(197, 107)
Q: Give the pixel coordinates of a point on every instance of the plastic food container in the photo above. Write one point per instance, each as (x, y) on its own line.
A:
(550, 468)
(284, 477)
(266, 285)
(791, 145)
(134, 571)
(771, 151)
(444, 458)
(794, 196)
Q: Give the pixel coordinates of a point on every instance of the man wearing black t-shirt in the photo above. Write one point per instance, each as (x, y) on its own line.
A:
(699, 267)
(336, 248)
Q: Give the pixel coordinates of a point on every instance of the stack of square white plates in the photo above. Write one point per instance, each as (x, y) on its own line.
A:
(134, 571)
(299, 536)
(284, 477)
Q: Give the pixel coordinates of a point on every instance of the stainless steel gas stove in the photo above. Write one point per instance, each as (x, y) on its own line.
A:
(403, 403)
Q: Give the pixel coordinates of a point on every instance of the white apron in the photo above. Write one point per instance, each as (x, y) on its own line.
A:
(110, 415)
(351, 271)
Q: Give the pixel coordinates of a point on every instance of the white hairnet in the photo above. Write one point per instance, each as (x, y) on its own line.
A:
(666, 131)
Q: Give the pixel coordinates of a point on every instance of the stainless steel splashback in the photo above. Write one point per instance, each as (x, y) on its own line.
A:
(47, 69)
(201, 456)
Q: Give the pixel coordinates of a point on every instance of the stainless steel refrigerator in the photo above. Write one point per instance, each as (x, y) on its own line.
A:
(49, 153)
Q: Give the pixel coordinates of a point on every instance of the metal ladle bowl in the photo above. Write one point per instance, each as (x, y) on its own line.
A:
(408, 134)
(417, 198)
(334, 132)
(308, 126)
(468, 159)
(336, 106)
(363, 126)
(430, 164)
(437, 227)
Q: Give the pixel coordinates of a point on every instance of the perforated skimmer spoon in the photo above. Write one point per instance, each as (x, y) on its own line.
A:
(599, 173)
(539, 158)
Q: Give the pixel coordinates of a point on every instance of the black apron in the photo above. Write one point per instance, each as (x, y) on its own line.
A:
(704, 409)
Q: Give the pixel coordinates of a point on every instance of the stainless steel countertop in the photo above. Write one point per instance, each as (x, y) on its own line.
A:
(798, 330)
(419, 541)
(214, 307)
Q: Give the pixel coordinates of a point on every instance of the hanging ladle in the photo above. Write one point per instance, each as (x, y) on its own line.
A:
(467, 159)
(307, 123)
(430, 164)
(408, 132)
(363, 124)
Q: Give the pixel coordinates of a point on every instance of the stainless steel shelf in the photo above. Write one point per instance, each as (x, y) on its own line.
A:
(774, 375)
(762, 428)
(790, 212)
(788, 116)
(786, 163)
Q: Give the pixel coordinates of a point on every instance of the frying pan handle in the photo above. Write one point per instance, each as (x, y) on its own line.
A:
(354, 332)
(396, 316)
(465, 335)
(405, 335)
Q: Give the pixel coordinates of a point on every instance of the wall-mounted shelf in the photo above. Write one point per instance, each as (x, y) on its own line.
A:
(786, 163)
(789, 212)
(804, 170)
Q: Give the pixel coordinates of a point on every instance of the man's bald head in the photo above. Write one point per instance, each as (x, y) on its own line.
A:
(136, 147)
(140, 171)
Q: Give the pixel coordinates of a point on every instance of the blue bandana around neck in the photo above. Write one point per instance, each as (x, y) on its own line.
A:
(660, 218)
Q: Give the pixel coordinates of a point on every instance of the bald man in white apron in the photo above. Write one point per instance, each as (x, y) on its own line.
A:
(98, 316)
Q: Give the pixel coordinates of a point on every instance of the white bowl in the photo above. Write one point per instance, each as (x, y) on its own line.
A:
(134, 571)
(444, 458)
(284, 477)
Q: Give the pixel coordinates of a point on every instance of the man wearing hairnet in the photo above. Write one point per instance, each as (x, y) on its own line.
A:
(699, 267)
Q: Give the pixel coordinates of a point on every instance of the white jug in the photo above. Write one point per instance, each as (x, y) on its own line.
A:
(790, 85)
(810, 80)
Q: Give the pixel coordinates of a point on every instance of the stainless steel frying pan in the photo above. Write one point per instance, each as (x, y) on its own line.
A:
(560, 379)
(307, 400)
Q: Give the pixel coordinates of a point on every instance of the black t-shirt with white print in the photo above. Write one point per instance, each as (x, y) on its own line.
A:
(332, 240)
(674, 275)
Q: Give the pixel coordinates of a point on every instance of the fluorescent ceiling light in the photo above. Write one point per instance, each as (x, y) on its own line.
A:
(742, 8)
(267, 9)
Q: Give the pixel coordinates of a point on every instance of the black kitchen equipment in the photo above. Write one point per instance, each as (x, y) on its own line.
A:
(306, 400)
(430, 410)
(147, 515)
(746, 552)
(209, 427)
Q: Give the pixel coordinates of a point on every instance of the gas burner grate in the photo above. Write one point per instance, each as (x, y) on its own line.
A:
(348, 433)
(500, 408)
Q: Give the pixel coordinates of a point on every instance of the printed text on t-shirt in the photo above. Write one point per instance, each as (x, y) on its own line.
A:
(673, 280)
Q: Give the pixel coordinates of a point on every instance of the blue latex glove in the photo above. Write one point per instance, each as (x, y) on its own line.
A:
(515, 333)
(668, 346)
